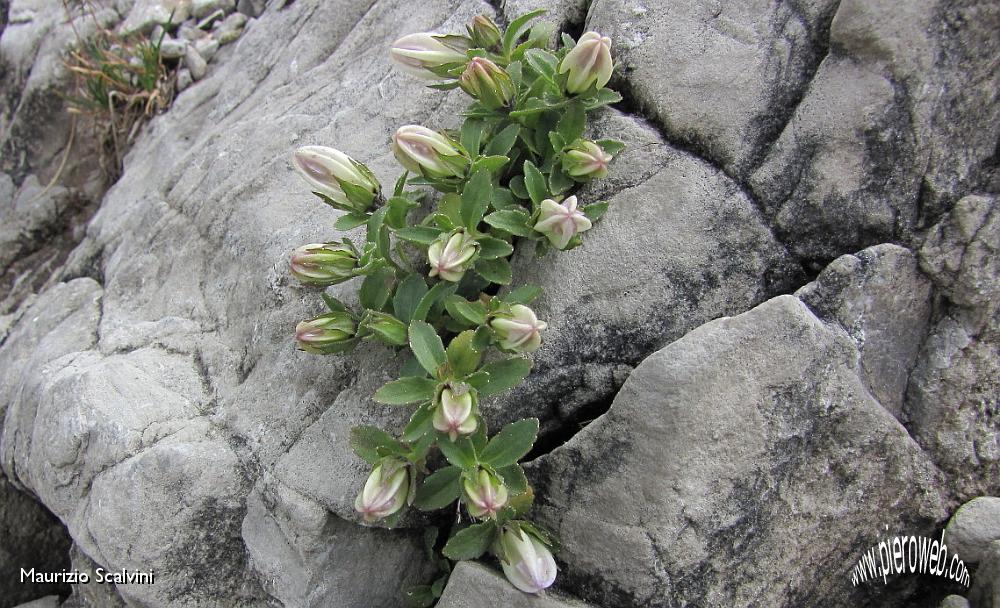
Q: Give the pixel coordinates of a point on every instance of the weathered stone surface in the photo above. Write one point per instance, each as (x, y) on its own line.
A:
(883, 301)
(92, 595)
(985, 592)
(695, 242)
(725, 472)
(899, 121)
(954, 392)
(473, 585)
(954, 601)
(49, 601)
(146, 14)
(30, 538)
(973, 527)
(752, 58)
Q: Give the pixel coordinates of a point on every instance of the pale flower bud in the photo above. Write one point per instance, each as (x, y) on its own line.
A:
(588, 63)
(585, 160)
(328, 333)
(484, 32)
(519, 330)
(328, 170)
(416, 54)
(526, 561)
(450, 254)
(485, 495)
(453, 414)
(428, 152)
(386, 327)
(560, 222)
(323, 263)
(384, 492)
(487, 82)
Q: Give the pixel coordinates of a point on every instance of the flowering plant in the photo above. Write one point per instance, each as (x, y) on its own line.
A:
(505, 176)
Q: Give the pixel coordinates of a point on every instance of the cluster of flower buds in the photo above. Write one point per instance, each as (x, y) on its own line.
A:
(385, 491)
(560, 222)
(518, 329)
(343, 182)
(324, 263)
(328, 333)
(454, 413)
(428, 152)
(484, 495)
(450, 255)
(483, 32)
(588, 63)
(526, 560)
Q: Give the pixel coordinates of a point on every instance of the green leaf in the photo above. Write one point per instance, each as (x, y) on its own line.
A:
(420, 424)
(476, 198)
(426, 346)
(484, 337)
(398, 206)
(491, 164)
(611, 146)
(516, 29)
(400, 184)
(463, 358)
(559, 182)
(491, 248)
(496, 271)
(419, 596)
(594, 211)
(514, 222)
(459, 452)
(366, 440)
(439, 490)
(604, 97)
(523, 294)
(407, 297)
(412, 367)
(542, 62)
(517, 188)
(572, 123)
(511, 444)
(534, 183)
(424, 235)
(349, 221)
(503, 375)
(375, 289)
(442, 289)
(451, 206)
(333, 303)
(406, 390)
(473, 313)
(513, 477)
(471, 542)
(502, 142)
(471, 135)
(503, 199)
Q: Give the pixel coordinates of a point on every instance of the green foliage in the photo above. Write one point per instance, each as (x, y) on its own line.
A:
(492, 177)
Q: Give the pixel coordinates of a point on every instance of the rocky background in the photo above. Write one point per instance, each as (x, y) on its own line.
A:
(779, 346)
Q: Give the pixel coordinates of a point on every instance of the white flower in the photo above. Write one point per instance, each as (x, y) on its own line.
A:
(527, 562)
(520, 330)
(453, 414)
(560, 222)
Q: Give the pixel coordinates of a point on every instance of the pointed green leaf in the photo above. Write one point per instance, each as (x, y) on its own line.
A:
(459, 452)
(440, 290)
(476, 198)
(496, 271)
(573, 122)
(375, 289)
(462, 357)
(472, 133)
(426, 346)
(502, 142)
(516, 29)
(440, 489)
(473, 313)
(523, 294)
(424, 235)
(350, 220)
(594, 211)
(471, 542)
(511, 444)
(408, 296)
(534, 183)
(503, 375)
(491, 248)
(366, 440)
(514, 222)
(420, 424)
(406, 390)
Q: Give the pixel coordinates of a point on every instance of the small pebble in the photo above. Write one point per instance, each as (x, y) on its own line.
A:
(172, 48)
(207, 48)
(195, 62)
(184, 79)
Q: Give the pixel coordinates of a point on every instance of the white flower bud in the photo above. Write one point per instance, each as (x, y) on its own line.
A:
(453, 414)
(527, 562)
(588, 63)
(560, 222)
(519, 330)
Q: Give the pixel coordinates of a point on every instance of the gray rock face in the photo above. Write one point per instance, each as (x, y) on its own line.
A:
(973, 527)
(473, 585)
(883, 301)
(718, 459)
(152, 399)
(954, 601)
(899, 121)
(985, 592)
(953, 392)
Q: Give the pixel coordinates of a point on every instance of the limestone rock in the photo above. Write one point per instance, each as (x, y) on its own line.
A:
(954, 601)
(731, 474)
(203, 8)
(973, 527)
(952, 398)
(883, 301)
(473, 585)
(985, 592)
(146, 14)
